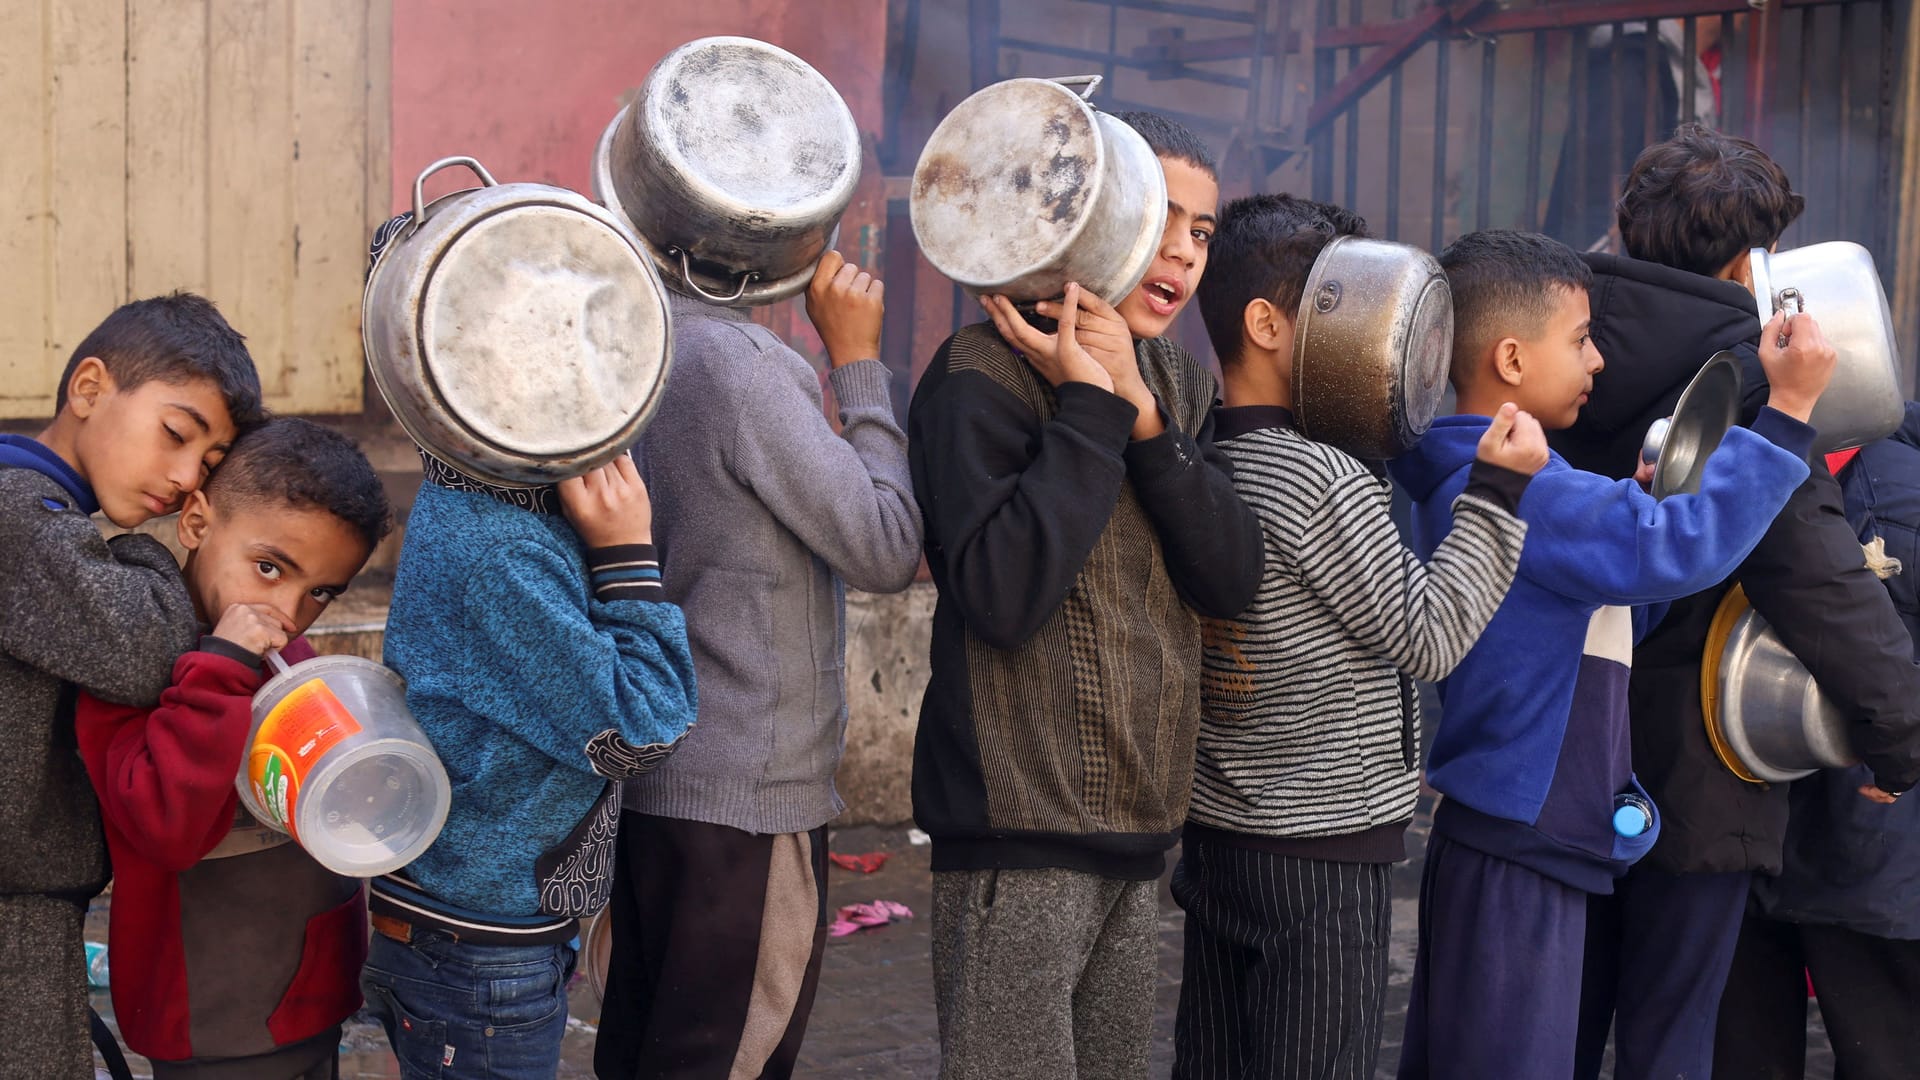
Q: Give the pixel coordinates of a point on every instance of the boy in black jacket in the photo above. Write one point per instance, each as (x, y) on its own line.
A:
(1659, 947)
(1078, 524)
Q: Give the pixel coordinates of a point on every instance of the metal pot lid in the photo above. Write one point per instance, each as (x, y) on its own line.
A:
(1766, 718)
(542, 330)
(748, 291)
(1007, 183)
(753, 125)
(1372, 346)
(1707, 409)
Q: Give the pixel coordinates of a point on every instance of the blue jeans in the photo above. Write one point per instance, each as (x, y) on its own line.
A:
(455, 1011)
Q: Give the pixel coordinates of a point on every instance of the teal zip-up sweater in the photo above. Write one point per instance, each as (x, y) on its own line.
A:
(541, 671)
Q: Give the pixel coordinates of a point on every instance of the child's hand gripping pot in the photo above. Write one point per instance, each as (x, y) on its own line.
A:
(847, 306)
(609, 506)
(1799, 362)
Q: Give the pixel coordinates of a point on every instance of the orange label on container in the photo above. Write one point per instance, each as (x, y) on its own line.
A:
(305, 725)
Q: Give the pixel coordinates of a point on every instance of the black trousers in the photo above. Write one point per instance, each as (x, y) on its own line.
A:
(1869, 991)
(1285, 968)
(717, 941)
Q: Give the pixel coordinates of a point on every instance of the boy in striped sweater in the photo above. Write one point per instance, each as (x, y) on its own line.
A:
(1308, 758)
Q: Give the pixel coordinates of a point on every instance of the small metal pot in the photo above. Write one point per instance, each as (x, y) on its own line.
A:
(1766, 718)
(596, 952)
(517, 332)
(1025, 187)
(1680, 444)
(1837, 284)
(734, 166)
(1372, 343)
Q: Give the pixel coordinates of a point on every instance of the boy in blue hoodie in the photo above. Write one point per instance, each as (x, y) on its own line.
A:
(1532, 748)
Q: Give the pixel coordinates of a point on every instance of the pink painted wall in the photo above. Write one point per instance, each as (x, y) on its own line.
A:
(527, 87)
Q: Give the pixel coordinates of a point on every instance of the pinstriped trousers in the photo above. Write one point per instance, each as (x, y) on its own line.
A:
(1285, 969)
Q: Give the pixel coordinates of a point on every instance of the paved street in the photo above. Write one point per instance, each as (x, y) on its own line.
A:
(874, 1017)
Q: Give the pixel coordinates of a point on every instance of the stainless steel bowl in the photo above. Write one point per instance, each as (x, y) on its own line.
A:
(1681, 444)
(1767, 719)
(1837, 284)
(1372, 343)
(1025, 187)
(734, 165)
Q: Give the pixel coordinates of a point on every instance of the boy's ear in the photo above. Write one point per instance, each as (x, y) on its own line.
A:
(1508, 361)
(1266, 327)
(91, 381)
(196, 516)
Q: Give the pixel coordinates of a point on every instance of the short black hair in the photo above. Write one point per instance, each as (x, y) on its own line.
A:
(1171, 139)
(174, 338)
(287, 461)
(1504, 283)
(1701, 198)
(1264, 248)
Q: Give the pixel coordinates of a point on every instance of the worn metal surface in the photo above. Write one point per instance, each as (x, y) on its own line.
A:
(738, 154)
(1708, 408)
(518, 333)
(1771, 717)
(1371, 347)
(1841, 288)
(1024, 188)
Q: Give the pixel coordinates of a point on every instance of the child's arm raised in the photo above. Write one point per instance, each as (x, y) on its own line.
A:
(847, 496)
(1424, 618)
(1013, 504)
(108, 616)
(604, 679)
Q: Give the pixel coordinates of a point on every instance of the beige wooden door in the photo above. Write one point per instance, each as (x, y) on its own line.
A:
(236, 148)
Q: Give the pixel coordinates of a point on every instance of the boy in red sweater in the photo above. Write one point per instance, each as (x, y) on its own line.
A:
(235, 954)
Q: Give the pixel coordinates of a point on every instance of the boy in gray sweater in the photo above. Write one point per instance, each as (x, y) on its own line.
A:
(763, 515)
(148, 404)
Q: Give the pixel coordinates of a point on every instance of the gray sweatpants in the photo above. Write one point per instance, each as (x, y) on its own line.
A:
(44, 1032)
(1046, 974)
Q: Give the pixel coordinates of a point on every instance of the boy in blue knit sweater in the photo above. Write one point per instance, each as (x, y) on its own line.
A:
(1532, 749)
(544, 663)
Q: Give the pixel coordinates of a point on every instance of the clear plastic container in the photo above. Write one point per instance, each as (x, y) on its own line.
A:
(336, 761)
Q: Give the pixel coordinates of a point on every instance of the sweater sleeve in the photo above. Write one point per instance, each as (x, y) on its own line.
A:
(1422, 618)
(847, 496)
(1014, 505)
(108, 616)
(1212, 541)
(1808, 579)
(601, 685)
(1601, 541)
(165, 776)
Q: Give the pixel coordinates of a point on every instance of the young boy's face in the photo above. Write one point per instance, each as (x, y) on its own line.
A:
(295, 559)
(1193, 199)
(144, 450)
(1559, 363)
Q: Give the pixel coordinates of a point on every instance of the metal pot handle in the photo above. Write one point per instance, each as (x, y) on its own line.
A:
(1087, 83)
(686, 274)
(420, 183)
(1780, 302)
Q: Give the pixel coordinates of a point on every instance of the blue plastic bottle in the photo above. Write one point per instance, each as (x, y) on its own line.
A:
(1632, 815)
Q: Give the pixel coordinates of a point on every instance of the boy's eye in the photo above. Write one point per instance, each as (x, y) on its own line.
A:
(325, 596)
(267, 569)
(1202, 236)
(172, 434)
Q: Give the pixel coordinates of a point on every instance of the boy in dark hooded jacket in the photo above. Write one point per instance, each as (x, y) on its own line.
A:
(1659, 947)
(1845, 907)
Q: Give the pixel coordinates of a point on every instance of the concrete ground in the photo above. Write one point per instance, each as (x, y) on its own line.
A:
(874, 1016)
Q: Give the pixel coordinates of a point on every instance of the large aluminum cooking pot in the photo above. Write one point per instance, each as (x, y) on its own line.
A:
(1025, 187)
(1836, 282)
(1766, 717)
(1372, 343)
(517, 332)
(1680, 444)
(734, 165)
